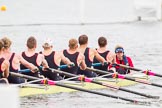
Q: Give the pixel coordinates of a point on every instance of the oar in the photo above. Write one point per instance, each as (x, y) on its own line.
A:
(60, 67)
(116, 75)
(100, 64)
(85, 79)
(66, 66)
(50, 82)
(147, 72)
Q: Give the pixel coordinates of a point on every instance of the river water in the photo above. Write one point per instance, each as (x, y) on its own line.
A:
(141, 40)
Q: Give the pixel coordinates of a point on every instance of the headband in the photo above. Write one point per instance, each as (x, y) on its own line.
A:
(119, 50)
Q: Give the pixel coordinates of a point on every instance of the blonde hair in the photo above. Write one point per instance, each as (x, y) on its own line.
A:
(118, 46)
(1, 44)
(73, 43)
(47, 43)
(7, 42)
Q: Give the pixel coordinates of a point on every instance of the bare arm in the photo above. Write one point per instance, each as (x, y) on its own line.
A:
(65, 59)
(98, 57)
(26, 63)
(44, 62)
(81, 62)
(111, 58)
(6, 68)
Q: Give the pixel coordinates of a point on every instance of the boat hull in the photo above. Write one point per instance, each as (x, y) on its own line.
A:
(45, 89)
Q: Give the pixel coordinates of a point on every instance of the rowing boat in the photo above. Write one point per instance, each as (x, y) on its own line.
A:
(89, 83)
(35, 89)
(30, 90)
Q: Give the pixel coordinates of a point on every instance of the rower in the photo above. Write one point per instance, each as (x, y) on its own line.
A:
(4, 65)
(106, 54)
(89, 54)
(121, 58)
(74, 56)
(15, 60)
(53, 59)
(31, 56)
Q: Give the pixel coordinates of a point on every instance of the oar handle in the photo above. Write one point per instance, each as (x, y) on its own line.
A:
(66, 66)
(24, 71)
(60, 67)
(100, 64)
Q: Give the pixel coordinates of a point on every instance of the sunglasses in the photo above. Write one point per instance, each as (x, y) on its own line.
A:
(119, 50)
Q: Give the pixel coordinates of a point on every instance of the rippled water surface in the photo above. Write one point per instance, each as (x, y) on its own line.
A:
(141, 40)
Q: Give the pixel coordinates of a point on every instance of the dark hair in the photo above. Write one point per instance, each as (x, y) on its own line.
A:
(83, 39)
(31, 42)
(102, 41)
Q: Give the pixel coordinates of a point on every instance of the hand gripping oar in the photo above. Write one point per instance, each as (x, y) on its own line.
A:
(50, 82)
(124, 77)
(147, 72)
(85, 79)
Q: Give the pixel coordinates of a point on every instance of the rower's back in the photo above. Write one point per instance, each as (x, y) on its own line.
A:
(4, 65)
(74, 56)
(53, 59)
(105, 53)
(32, 57)
(89, 54)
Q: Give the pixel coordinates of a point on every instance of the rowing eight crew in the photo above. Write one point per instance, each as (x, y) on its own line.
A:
(80, 55)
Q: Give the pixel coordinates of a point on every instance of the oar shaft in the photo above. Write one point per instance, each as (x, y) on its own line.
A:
(124, 77)
(128, 67)
(77, 88)
(61, 72)
(124, 89)
(24, 76)
(100, 93)
(140, 70)
(157, 85)
(138, 93)
(96, 70)
(138, 80)
(101, 83)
